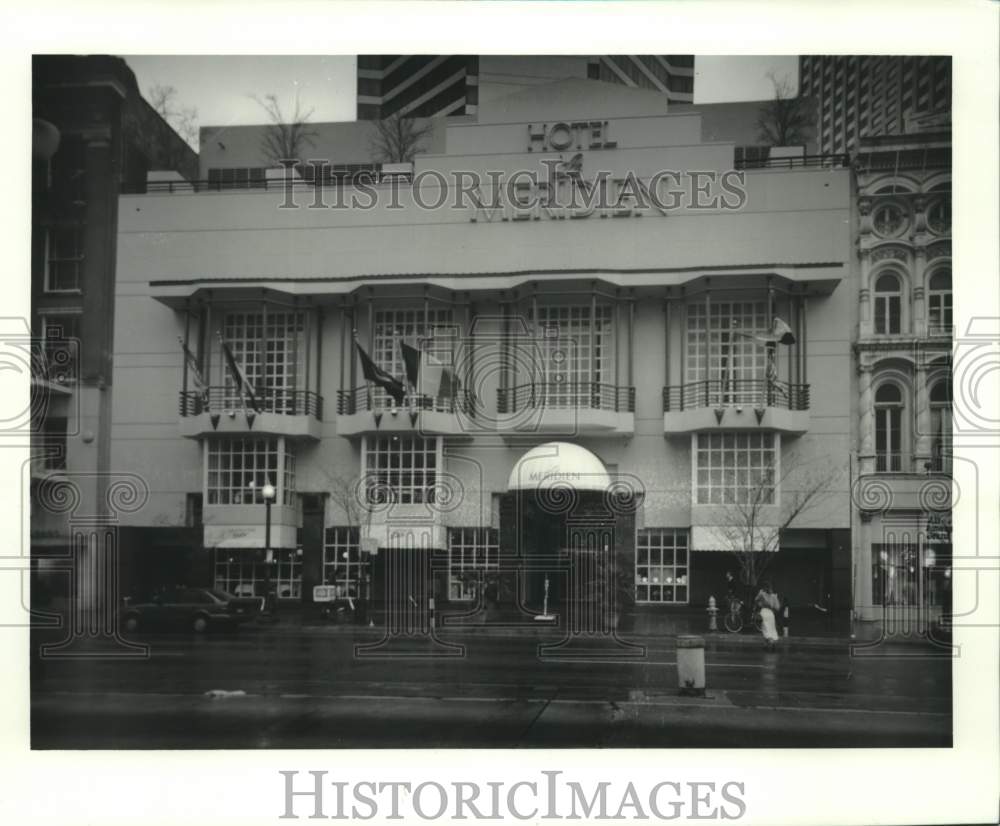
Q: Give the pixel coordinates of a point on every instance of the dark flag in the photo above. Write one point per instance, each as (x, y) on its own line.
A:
(411, 361)
(240, 379)
(375, 374)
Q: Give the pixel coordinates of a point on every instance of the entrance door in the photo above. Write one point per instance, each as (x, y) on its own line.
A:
(402, 588)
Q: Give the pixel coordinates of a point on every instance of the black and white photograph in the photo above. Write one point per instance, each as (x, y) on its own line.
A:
(512, 399)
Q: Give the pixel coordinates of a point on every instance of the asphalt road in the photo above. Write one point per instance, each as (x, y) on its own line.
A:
(312, 688)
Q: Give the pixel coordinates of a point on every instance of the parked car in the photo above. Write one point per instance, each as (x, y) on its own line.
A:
(196, 608)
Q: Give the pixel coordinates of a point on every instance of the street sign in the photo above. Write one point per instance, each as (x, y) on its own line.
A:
(324, 593)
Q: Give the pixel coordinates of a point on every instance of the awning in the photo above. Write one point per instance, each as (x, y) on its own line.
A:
(559, 464)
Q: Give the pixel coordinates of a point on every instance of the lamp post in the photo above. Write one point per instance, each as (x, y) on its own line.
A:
(270, 600)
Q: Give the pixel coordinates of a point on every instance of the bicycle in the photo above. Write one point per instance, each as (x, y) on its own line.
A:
(736, 618)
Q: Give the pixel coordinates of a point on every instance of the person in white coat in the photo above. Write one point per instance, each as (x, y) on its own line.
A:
(768, 603)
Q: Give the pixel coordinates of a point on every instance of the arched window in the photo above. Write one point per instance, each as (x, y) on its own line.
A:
(939, 303)
(940, 398)
(888, 303)
(889, 428)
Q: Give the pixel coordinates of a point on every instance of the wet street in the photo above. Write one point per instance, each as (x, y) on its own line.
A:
(289, 687)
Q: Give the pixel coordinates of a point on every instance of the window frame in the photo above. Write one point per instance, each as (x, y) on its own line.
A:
(76, 260)
(886, 301)
(940, 302)
(711, 468)
(644, 542)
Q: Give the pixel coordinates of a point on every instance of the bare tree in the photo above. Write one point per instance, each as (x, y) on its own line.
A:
(784, 120)
(348, 496)
(183, 119)
(750, 529)
(398, 138)
(286, 138)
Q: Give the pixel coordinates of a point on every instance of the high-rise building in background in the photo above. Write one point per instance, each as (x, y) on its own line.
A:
(869, 96)
(433, 85)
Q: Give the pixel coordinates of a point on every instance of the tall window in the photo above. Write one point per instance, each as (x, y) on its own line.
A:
(392, 326)
(269, 354)
(343, 562)
(939, 303)
(575, 352)
(403, 468)
(470, 551)
(715, 353)
(661, 565)
(63, 259)
(238, 470)
(888, 303)
(243, 572)
(889, 428)
(736, 468)
(941, 427)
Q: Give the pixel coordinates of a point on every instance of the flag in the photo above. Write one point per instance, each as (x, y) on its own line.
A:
(240, 379)
(375, 374)
(196, 377)
(411, 361)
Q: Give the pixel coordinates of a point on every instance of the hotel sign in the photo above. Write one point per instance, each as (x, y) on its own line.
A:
(577, 134)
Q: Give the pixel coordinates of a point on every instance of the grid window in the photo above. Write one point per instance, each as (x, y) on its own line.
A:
(243, 572)
(939, 303)
(392, 326)
(570, 343)
(343, 563)
(661, 565)
(268, 352)
(237, 177)
(710, 340)
(401, 467)
(735, 468)
(63, 259)
(238, 470)
(470, 551)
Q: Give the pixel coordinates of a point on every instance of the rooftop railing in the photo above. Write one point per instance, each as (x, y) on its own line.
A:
(566, 395)
(222, 399)
(727, 393)
(801, 161)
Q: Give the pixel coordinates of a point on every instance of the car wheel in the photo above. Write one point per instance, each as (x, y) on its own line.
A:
(132, 623)
(200, 624)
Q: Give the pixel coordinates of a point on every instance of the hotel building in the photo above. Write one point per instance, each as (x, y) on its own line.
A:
(611, 348)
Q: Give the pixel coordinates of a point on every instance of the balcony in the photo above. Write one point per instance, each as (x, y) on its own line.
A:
(559, 408)
(369, 409)
(292, 413)
(736, 404)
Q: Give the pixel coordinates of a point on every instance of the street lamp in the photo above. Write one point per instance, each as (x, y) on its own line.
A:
(270, 600)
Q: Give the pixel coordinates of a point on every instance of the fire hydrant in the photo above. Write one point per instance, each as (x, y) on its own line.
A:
(713, 612)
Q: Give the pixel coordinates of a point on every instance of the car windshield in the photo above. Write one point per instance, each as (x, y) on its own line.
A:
(218, 593)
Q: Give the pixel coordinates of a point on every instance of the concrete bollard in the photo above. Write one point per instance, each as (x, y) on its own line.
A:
(691, 665)
(713, 615)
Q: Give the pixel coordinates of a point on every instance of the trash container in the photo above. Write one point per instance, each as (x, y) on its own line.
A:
(691, 665)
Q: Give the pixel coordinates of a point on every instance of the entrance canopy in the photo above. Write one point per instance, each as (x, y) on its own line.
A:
(559, 464)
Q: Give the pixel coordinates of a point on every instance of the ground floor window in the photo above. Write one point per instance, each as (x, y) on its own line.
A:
(470, 550)
(907, 574)
(661, 565)
(343, 563)
(244, 572)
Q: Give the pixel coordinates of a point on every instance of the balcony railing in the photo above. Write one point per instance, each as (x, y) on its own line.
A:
(283, 402)
(364, 399)
(723, 393)
(823, 161)
(561, 395)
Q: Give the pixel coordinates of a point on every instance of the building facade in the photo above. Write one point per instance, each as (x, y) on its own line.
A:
(904, 361)
(94, 136)
(440, 85)
(863, 96)
(625, 344)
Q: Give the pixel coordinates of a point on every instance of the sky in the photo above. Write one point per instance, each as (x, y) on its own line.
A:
(220, 87)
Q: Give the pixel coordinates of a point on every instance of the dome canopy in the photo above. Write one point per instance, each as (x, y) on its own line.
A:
(558, 464)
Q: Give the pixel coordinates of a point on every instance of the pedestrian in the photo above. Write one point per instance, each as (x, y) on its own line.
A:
(768, 604)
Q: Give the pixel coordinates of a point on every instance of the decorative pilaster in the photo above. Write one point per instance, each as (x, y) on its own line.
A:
(922, 453)
(865, 324)
(866, 418)
(919, 308)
